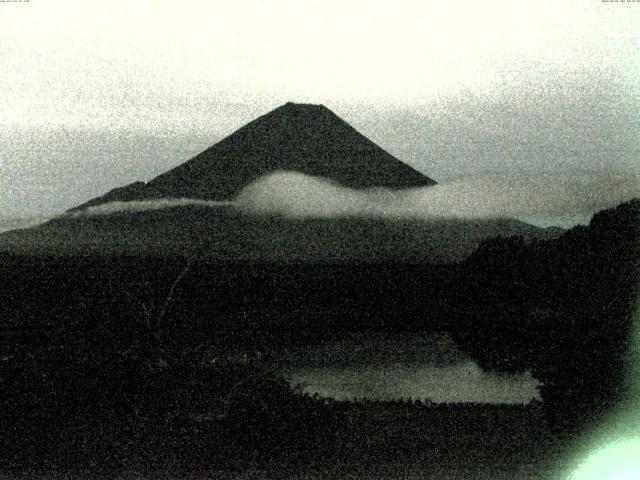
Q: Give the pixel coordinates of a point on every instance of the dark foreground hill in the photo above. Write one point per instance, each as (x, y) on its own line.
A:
(309, 139)
(224, 233)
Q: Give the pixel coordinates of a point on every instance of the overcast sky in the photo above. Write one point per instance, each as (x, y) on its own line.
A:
(98, 94)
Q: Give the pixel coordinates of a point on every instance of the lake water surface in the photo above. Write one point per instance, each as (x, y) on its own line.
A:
(386, 367)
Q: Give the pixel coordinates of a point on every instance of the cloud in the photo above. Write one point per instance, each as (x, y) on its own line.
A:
(19, 223)
(572, 195)
(565, 199)
(144, 205)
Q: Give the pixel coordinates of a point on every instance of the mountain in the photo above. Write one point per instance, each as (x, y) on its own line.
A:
(309, 139)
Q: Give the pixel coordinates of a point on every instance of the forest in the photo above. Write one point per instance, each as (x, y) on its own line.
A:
(135, 363)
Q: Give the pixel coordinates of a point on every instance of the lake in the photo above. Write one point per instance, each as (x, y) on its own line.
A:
(387, 367)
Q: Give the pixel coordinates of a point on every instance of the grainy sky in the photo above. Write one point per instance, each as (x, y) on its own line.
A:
(98, 94)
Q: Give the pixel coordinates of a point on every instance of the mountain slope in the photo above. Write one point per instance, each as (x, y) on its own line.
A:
(227, 234)
(310, 139)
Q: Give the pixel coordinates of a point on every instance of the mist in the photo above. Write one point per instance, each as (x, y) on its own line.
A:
(17, 223)
(144, 205)
(545, 201)
(565, 200)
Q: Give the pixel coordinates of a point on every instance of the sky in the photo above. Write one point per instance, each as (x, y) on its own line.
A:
(96, 95)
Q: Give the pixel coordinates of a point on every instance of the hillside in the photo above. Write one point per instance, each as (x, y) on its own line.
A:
(224, 233)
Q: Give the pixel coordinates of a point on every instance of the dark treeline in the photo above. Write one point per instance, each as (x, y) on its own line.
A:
(109, 414)
(113, 359)
(561, 308)
(242, 302)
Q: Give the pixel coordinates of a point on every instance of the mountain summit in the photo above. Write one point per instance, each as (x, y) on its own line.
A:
(309, 139)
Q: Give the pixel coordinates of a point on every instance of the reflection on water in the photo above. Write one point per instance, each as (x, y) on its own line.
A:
(393, 367)
(465, 382)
